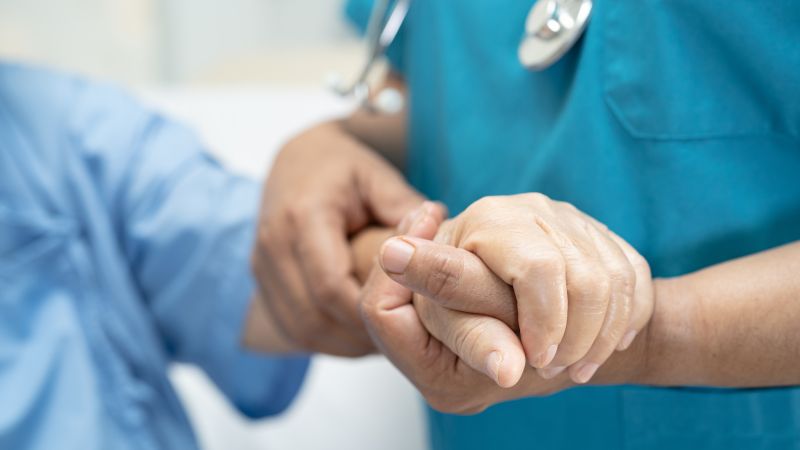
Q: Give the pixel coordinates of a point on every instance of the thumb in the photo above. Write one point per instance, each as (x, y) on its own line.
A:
(386, 193)
(452, 277)
(387, 307)
(483, 343)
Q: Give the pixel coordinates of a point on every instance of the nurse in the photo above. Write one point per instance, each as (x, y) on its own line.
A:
(671, 123)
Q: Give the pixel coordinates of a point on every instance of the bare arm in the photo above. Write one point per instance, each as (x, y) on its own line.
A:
(731, 325)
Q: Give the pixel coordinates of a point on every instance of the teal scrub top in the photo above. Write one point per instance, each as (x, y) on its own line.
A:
(676, 123)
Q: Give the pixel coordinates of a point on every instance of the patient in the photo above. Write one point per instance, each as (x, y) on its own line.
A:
(123, 247)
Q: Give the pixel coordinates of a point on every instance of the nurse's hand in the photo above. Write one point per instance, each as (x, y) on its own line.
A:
(417, 334)
(580, 291)
(324, 186)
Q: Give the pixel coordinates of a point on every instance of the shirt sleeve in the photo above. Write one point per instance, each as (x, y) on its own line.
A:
(358, 13)
(185, 226)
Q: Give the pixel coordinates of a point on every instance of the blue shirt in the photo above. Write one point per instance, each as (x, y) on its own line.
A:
(123, 247)
(676, 123)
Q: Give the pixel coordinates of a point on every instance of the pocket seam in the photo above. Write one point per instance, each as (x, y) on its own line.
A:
(609, 17)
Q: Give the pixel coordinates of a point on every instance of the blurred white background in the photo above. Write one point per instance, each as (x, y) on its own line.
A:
(182, 41)
(246, 74)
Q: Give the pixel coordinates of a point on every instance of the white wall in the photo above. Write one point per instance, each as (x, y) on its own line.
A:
(146, 42)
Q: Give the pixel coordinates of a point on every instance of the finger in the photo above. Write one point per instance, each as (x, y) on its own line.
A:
(423, 220)
(391, 319)
(386, 193)
(527, 260)
(589, 291)
(275, 267)
(642, 306)
(452, 277)
(364, 247)
(299, 321)
(622, 280)
(326, 265)
(483, 343)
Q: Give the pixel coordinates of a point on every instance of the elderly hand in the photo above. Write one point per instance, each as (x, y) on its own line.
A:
(417, 335)
(579, 290)
(324, 187)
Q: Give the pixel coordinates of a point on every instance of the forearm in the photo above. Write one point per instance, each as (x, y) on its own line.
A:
(731, 325)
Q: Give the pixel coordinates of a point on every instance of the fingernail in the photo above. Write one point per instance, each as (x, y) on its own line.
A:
(547, 357)
(627, 340)
(585, 372)
(396, 255)
(551, 372)
(493, 362)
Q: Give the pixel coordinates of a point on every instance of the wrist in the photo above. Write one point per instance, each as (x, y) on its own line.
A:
(670, 349)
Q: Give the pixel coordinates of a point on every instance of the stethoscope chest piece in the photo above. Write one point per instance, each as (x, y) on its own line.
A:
(552, 28)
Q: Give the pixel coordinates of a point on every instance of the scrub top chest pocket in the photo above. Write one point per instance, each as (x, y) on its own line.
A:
(700, 69)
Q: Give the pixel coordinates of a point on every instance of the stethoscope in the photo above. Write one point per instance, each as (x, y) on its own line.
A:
(551, 29)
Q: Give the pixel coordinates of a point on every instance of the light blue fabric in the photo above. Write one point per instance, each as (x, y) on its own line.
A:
(675, 122)
(123, 247)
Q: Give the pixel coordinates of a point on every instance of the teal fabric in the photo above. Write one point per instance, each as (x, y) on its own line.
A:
(675, 122)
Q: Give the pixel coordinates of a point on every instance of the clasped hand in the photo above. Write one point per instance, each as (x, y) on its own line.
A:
(517, 296)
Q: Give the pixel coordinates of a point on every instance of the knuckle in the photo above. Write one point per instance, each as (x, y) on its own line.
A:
(443, 280)
(270, 240)
(569, 207)
(486, 204)
(640, 264)
(424, 309)
(591, 283)
(466, 339)
(297, 213)
(623, 277)
(328, 287)
(537, 198)
(368, 309)
(542, 263)
(264, 235)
